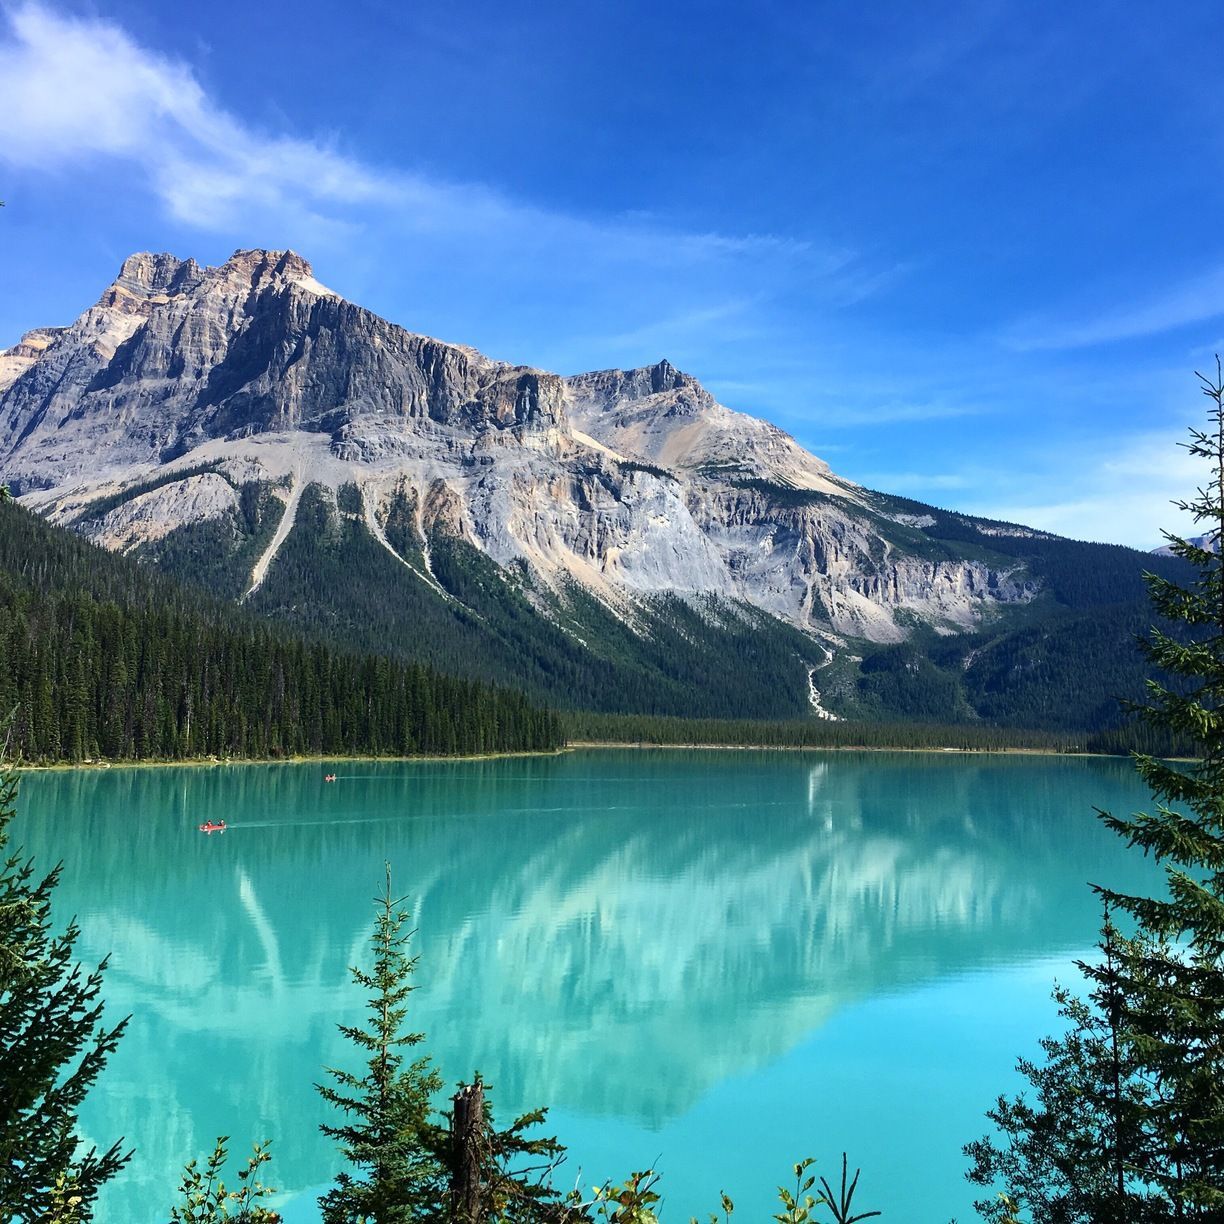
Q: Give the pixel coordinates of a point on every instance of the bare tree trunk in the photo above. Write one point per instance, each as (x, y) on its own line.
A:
(467, 1135)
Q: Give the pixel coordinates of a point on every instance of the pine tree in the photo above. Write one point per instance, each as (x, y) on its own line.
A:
(1070, 1153)
(387, 1134)
(1129, 1118)
(1179, 1029)
(52, 1048)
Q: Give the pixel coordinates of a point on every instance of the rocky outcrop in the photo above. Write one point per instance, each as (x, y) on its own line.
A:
(661, 416)
(630, 482)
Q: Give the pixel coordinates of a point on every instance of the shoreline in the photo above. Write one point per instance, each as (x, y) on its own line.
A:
(228, 762)
(648, 745)
(577, 745)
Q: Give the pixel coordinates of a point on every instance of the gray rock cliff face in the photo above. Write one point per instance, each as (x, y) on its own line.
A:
(629, 482)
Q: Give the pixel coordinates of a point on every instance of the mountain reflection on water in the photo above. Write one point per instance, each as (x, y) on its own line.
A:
(611, 933)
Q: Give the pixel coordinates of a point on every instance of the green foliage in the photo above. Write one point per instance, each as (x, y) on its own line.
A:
(1128, 1121)
(902, 682)
(205, 1198)
(632, 465)
(1070, 1154)
(387, 1133)
(53, 1045)
(1060, 663)
(515, 1167)
(221, 552)
(1178, 1012)
(102, 658)
(406, 1164)
(778, 493)
(1046, 668)
(810, 733)
(632, 1202)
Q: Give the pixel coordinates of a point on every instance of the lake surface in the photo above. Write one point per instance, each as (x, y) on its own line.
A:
(717, 961)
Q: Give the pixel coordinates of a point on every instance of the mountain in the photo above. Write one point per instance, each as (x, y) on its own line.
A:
(1209, 541)
(610, 540)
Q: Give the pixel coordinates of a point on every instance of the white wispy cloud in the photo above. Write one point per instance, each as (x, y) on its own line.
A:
(668, 334)
(893, 412)
(74, 89)
(915, 482)
(1196, 300)
(1124, 493)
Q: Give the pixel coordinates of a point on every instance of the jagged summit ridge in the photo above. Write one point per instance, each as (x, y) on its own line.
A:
(203, 380)
(150, 273)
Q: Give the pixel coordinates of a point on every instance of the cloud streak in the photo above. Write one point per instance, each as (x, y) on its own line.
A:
(74, 89)
(1125, 494)
(1194, 301)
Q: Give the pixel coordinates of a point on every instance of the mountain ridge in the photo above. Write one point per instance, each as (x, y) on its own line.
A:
(244, 426)
(643, 469)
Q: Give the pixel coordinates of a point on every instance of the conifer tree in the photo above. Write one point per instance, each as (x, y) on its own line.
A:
(387, 1133)
(1070, 1152)
(1129, 1120)
(407, 1159)
(1178, 1025)
(52, 1047)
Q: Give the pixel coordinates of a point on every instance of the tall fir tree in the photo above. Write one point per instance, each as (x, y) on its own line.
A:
(1179, 972)
(387, 1133)
(53, 1045)
(1128, 1123)
(1068, 1153)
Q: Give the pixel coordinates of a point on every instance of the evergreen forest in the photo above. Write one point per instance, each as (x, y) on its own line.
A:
(102, 658)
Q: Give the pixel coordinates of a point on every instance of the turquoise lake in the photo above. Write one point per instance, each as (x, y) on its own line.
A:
(716, 962)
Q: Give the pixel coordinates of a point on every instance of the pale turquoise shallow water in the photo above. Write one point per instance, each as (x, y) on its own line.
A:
(720, 960)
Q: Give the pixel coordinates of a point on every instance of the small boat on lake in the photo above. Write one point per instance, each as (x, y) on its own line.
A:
(329, 777)
(213, 826)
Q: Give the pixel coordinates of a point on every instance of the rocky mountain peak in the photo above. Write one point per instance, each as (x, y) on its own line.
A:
(154, 278)
(665, 377)
(202, 380)
(258, 266)
(607, 389)
(148, 275)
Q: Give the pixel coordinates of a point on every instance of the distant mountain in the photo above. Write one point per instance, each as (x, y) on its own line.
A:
(1209, 541)
(611, 540)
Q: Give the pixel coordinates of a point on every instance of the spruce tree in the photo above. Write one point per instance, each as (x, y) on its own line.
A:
(1178, 1025)
(52, 1048)
(387, 1134)
(1128, 1123)
(1071, 1149)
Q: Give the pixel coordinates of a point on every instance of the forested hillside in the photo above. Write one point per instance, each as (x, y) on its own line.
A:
(1061, 663)
(333, 580)
(101, 658)
(1058, 663)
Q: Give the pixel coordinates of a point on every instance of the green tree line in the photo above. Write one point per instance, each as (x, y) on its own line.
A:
(98, 658)
(811, 733)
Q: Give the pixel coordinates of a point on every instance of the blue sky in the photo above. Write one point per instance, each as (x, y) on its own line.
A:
(968, 252)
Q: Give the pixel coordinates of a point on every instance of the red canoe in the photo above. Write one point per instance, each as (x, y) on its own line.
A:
(213, 827)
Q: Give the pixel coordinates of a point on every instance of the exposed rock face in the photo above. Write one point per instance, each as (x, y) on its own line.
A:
(662, 416)
(629, 482)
